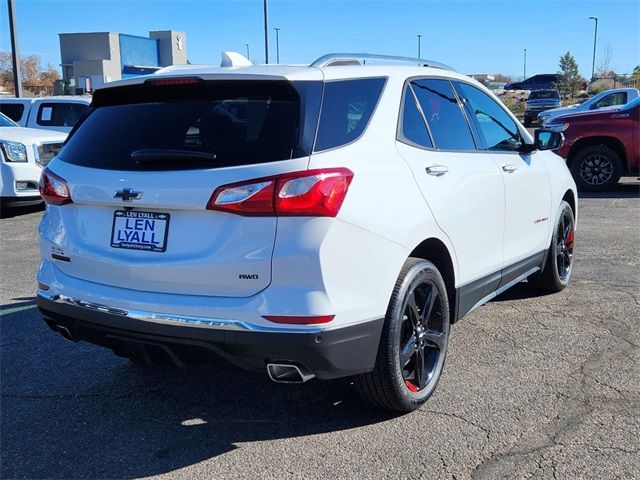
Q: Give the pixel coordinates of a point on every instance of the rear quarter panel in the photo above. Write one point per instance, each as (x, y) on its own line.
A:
(384, 216)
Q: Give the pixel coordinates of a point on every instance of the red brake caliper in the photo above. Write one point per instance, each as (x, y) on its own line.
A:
(570, 240)
(411, 386)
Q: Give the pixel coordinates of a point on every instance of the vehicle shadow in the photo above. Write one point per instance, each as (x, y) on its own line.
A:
(520, 291)
(10, 212)
(78, 411)
(626, 189)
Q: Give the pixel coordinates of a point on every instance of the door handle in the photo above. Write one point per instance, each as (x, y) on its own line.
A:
(437, 170)
(509, 168)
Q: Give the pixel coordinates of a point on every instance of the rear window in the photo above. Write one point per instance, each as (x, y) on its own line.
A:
(542, 94)
(58, 114)
(347, 106)
(207, 125)
(12, 110)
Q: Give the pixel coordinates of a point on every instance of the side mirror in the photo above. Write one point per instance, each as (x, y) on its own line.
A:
(548, 140)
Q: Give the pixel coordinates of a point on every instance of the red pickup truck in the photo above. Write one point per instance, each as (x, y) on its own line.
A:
(601, 146)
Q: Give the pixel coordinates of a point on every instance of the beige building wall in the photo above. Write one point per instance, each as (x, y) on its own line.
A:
(172, 45)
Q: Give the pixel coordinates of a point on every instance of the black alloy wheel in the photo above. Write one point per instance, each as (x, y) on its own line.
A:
(413, 343)
(564, 245)
(556, 271)
(423, 336)
(596, 168)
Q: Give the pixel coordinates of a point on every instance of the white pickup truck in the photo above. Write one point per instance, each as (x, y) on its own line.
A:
(23, 154)
(50, 113)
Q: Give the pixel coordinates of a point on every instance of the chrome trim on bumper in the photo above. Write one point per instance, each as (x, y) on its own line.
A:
(172, 319)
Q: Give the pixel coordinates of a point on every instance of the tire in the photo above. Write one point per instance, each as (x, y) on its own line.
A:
(596, 168)
(556, 272)
(419, 308)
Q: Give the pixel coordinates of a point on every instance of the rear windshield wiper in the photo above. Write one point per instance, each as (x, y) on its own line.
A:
(155, 155)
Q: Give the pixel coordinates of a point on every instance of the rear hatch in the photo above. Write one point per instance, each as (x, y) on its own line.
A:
(144, 163)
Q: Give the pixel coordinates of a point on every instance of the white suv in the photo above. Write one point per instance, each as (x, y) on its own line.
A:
(311, 221)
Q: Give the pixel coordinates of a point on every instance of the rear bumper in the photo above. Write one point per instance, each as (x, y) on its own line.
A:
(21, 201)
(327, 354)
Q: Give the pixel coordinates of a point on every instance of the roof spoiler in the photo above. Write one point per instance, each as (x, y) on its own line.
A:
(234, 59)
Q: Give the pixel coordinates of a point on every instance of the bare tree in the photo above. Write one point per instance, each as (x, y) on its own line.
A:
(604, 68)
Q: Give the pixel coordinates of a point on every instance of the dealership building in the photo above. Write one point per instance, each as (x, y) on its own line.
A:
(90, 60)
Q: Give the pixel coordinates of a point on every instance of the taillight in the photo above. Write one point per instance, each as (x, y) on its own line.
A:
(54, 189)
(300, 320)
(311, 193)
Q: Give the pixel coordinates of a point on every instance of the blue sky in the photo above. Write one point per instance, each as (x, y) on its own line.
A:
(482, 36)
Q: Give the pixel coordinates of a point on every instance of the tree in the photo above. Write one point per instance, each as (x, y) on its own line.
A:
(569, 78)
(32, 73)
(604, 69)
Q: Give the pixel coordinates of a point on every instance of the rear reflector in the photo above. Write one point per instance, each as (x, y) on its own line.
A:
(310, 193)
(43, 286)
(53, 188)
(299, 320)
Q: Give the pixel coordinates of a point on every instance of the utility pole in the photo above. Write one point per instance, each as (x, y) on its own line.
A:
(15, 55)
(247, 45)
(525, 64)
(595, 39)
(266, 34)
(277, 44)
(419, 42)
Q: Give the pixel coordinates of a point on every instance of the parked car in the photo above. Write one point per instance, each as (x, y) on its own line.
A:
(545, 81)
(608, 98)
(334, 226)
(23, 153)
(600, 146)
(49, 113)
(539, 101)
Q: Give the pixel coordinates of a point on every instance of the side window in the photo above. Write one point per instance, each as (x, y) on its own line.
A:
(497, 129)
(347, 106)
(447, 123)
(619, 98)
(60, 114)
(413, 127)
(12, 110)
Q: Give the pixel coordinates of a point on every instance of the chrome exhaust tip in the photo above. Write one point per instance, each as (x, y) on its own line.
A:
(288, 373)
(66, 334)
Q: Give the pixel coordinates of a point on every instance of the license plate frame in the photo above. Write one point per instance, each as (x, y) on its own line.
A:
(143, 238)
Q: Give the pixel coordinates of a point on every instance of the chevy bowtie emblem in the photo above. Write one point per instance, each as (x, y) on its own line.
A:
(127, 194)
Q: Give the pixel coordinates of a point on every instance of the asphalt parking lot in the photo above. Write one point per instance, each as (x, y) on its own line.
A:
(535, 386)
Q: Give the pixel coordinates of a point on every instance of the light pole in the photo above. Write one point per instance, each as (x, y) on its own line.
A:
(419, 42)
(266, 34)
(525, 64)
(595, 39)
(277, 44)
(247, 45)
(15, 56)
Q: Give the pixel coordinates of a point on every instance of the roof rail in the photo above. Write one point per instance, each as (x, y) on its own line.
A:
(337, 59)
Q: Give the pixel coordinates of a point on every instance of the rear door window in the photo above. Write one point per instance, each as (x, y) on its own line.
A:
(413, 129)
(59, 114)
(207, 125)
(12, 110)
(347, 106)
(447, 123)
